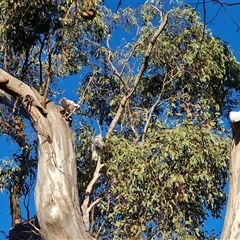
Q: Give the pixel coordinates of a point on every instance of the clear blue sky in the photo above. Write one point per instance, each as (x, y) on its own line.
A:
(224, 25)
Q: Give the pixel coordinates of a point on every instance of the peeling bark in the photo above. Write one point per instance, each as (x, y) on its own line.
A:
(56, 196)
(231, 229)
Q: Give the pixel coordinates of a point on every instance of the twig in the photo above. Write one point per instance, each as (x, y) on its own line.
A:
(82, 98)
(100, 228)
(114, 70)
(150, 112)
(71, 6)
(38, 231)
(225, 3)
(130, 55)
(143, 68)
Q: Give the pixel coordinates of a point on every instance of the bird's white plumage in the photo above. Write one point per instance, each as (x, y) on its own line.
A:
(68, 105)
(97, 147)
(234, 117)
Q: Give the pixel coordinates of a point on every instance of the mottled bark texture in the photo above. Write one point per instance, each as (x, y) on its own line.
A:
(56, 196)
(231, 229)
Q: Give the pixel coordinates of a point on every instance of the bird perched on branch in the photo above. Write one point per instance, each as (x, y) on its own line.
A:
(97, 147)
(68, 105)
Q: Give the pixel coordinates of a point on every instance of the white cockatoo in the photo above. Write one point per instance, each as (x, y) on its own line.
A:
(97, 147)
(234, 117)
(68, 105)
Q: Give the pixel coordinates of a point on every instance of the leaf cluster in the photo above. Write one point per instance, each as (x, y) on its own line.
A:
(164, 185)
(166, 163)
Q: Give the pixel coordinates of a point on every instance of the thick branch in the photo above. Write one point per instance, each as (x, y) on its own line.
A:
(15, 89)
(16, 132)
(10, 101)
(56, 195)
(143, 68)
(85, 206)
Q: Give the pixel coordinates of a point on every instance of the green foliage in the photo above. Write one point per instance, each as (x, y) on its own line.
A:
(166, 162)
(25, 29)
(181, 74)
(7, 171)
(85, 165)
(166, 183)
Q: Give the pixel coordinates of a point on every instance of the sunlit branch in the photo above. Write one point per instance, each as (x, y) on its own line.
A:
(85, 206)
(14, 89)
(229, 15)
(143, 68)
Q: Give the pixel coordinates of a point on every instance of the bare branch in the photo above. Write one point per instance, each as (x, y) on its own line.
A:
(129, 57)
(94, 203)
(36, 230)
(114, 70)
(40, 66)
(157, 102)
(85, 206)
(143, 68)
(137, 136)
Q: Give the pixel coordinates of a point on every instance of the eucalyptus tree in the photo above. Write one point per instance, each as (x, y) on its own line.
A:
(157, 94)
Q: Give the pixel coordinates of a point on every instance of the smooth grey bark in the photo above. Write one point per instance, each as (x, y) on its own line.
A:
(56, 195)
(231, 229)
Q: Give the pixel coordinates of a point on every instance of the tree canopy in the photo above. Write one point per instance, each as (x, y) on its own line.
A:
(154, 82)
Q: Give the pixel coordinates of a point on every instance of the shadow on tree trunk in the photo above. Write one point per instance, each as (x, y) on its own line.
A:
(26, 230)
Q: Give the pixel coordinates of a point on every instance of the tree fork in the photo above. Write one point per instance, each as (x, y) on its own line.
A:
(56, 195)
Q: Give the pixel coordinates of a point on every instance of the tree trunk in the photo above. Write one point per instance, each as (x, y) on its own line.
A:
(56, 196)
(231, 229)
(14, 205)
